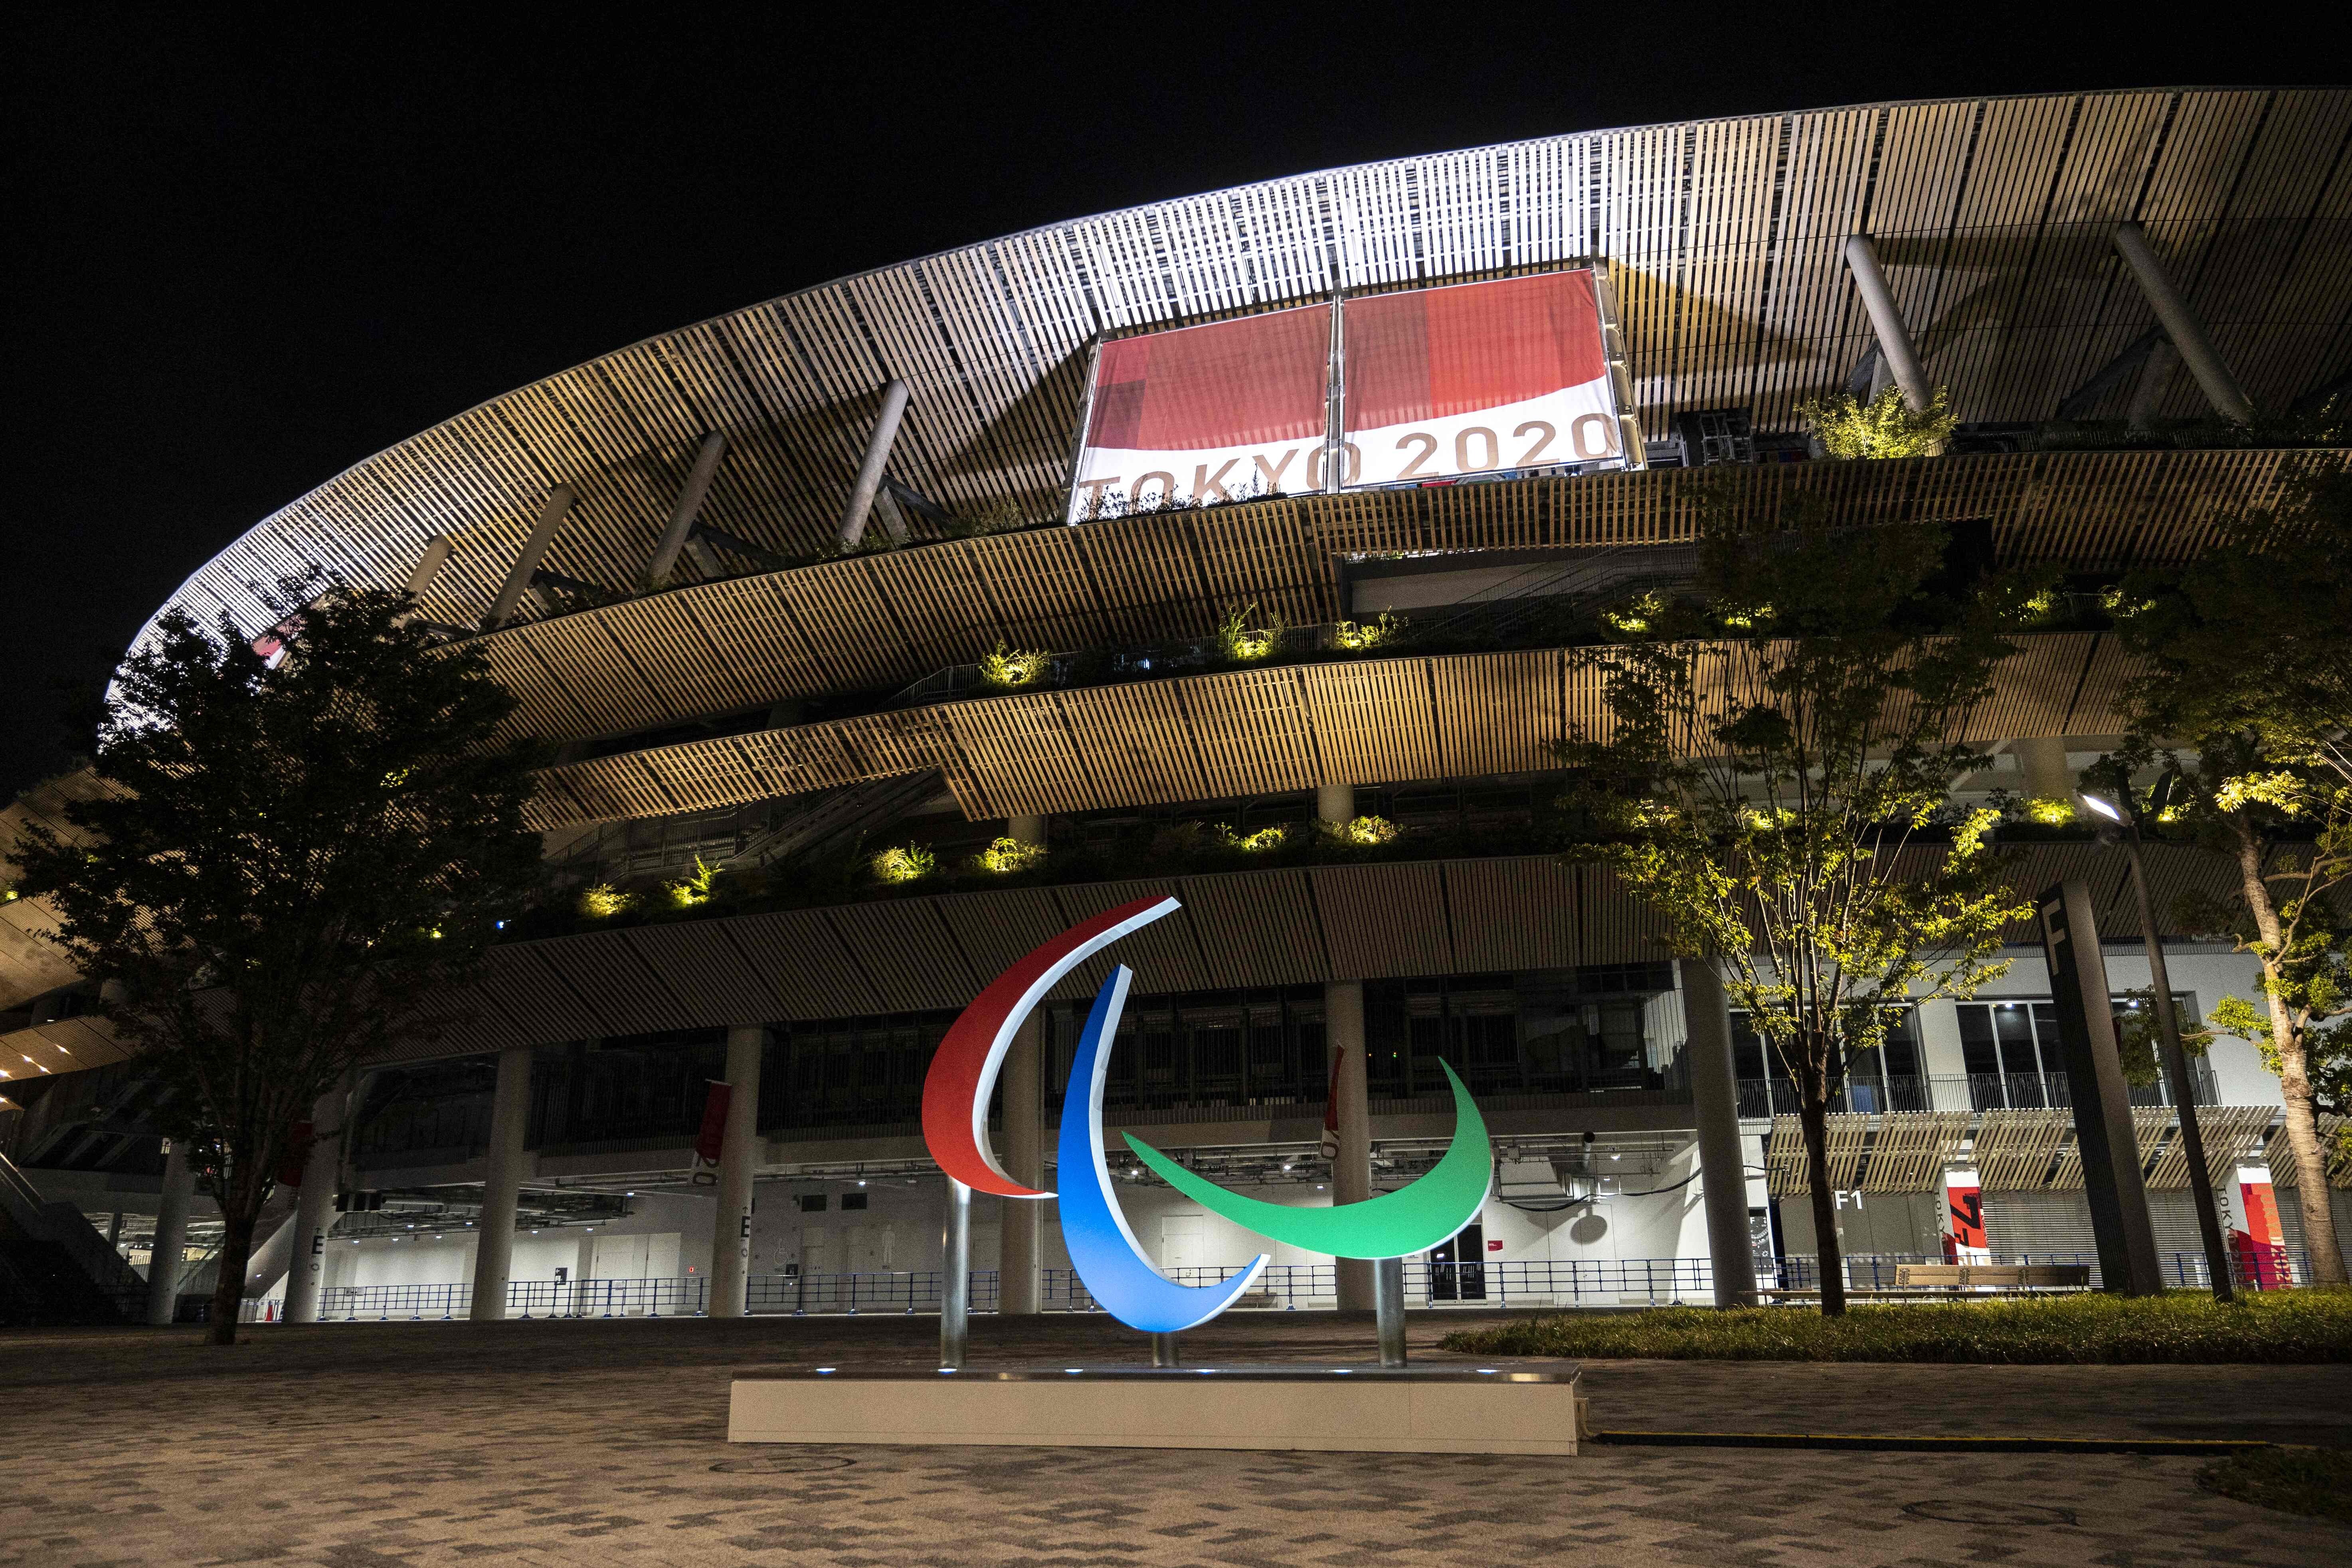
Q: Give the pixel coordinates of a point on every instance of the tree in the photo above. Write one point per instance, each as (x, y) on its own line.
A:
(293, 867)
(1776, 778)
(2246, 696)
(1884, 427)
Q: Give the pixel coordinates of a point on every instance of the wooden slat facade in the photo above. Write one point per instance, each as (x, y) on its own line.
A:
(884, 620)
(1210, 737)
(1720, 240)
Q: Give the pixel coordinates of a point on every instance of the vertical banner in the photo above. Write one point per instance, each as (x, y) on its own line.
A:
(1330, 1142)
(2257, 1239)
(1964, 1226)
(711, 1141)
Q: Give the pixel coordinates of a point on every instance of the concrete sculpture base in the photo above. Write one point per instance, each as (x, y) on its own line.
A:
(1356, 1409)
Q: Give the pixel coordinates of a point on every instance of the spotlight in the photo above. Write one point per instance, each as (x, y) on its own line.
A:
(2098, 806)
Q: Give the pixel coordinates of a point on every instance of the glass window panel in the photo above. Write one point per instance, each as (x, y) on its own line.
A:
(2012, 1025)
(1979, 1053)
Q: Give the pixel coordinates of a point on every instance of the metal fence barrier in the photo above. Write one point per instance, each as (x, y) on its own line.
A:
(1537, 1282)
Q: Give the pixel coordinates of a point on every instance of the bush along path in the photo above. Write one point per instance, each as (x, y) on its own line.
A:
(2293, 1326)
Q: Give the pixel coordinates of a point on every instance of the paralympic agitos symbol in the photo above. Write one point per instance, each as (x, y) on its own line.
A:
(1102, 1248)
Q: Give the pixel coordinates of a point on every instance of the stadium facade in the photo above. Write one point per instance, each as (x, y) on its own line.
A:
(944, 605)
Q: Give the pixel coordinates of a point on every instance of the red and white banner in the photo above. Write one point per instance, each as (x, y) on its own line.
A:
(1439, 385)
(2257, 1239)
(1964, 1225)
(1448, 383)
(1223, 412)
(711, 1142)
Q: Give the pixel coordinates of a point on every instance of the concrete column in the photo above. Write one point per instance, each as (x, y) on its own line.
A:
(2188, 335)
(1714, 1096)
(534, 551)
(1352, 1172)
(583, 1268)
(2153, 374)
(428, 565)
(1886, 321)
(1335, 803)
(870, 473)
(314, 1207)
(2042, 759)
(690, 507)
(738, 1165)
(1018, 1280)
(510, 1118)
(1026, 830)
(170, 1251)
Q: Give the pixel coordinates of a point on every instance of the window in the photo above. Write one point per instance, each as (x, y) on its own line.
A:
(812, 1202)
(853, 1200)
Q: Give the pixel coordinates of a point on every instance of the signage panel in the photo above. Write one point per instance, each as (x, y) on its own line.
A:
(1434, 385)
(1452, 383)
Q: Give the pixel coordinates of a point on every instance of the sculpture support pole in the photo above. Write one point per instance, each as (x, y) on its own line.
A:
(1388, 1309)
(955, 1287)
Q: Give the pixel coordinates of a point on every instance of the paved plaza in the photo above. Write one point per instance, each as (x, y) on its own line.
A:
(369, 1445)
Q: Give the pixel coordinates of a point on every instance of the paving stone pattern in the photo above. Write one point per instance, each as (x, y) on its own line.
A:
(371, 1445)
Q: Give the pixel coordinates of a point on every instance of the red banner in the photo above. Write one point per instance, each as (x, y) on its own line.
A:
(711, 1141)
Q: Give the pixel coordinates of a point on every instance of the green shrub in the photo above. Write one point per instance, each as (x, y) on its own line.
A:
(904, 863)
(603, 901)
(1011, 670)
(1885, 427)
(2292, 1326)
(1008, 855)
(1238, 642)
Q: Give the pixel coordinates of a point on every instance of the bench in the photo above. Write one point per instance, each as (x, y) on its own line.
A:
(1992, 1276)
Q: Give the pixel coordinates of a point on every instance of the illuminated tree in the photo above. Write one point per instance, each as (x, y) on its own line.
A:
(2247, 695)
(290, 870)
(1775, 777)
(1884, 427)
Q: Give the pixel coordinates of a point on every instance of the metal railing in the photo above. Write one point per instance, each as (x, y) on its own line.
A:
(1525, 1282)
(1761, 1097)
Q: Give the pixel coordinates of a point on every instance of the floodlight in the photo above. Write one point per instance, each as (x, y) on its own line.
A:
(2098, 806)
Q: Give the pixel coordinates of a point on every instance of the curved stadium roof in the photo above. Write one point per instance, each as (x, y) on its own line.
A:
(1722, 238)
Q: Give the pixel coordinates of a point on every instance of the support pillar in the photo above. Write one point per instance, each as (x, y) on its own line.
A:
(738, 1165)
(1026, 830)
(688, 508)
(2161, 357)
(955, 1277)
(1335, 803)
(314, 1207)
(169, 1254)
(1714, 1097)
(2042, 759)
(2180, 324)
(1352, 1172)
(502, 1187)
(1388, 1309)
(428, 565)
(2112, 1182)
(534, 551)
(1018, 1288)
(1894, 337)
(869, 472)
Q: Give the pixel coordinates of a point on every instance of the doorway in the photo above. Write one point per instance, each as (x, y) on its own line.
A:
(1457, 1268)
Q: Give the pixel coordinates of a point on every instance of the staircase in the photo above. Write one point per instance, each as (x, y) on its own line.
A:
(42, 1286)
(54, 1266)
(838, 814)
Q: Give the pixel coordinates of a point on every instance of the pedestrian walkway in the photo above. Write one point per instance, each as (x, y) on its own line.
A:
(603, 1443)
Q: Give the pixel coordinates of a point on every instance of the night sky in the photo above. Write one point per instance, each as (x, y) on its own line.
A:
(249, 255)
